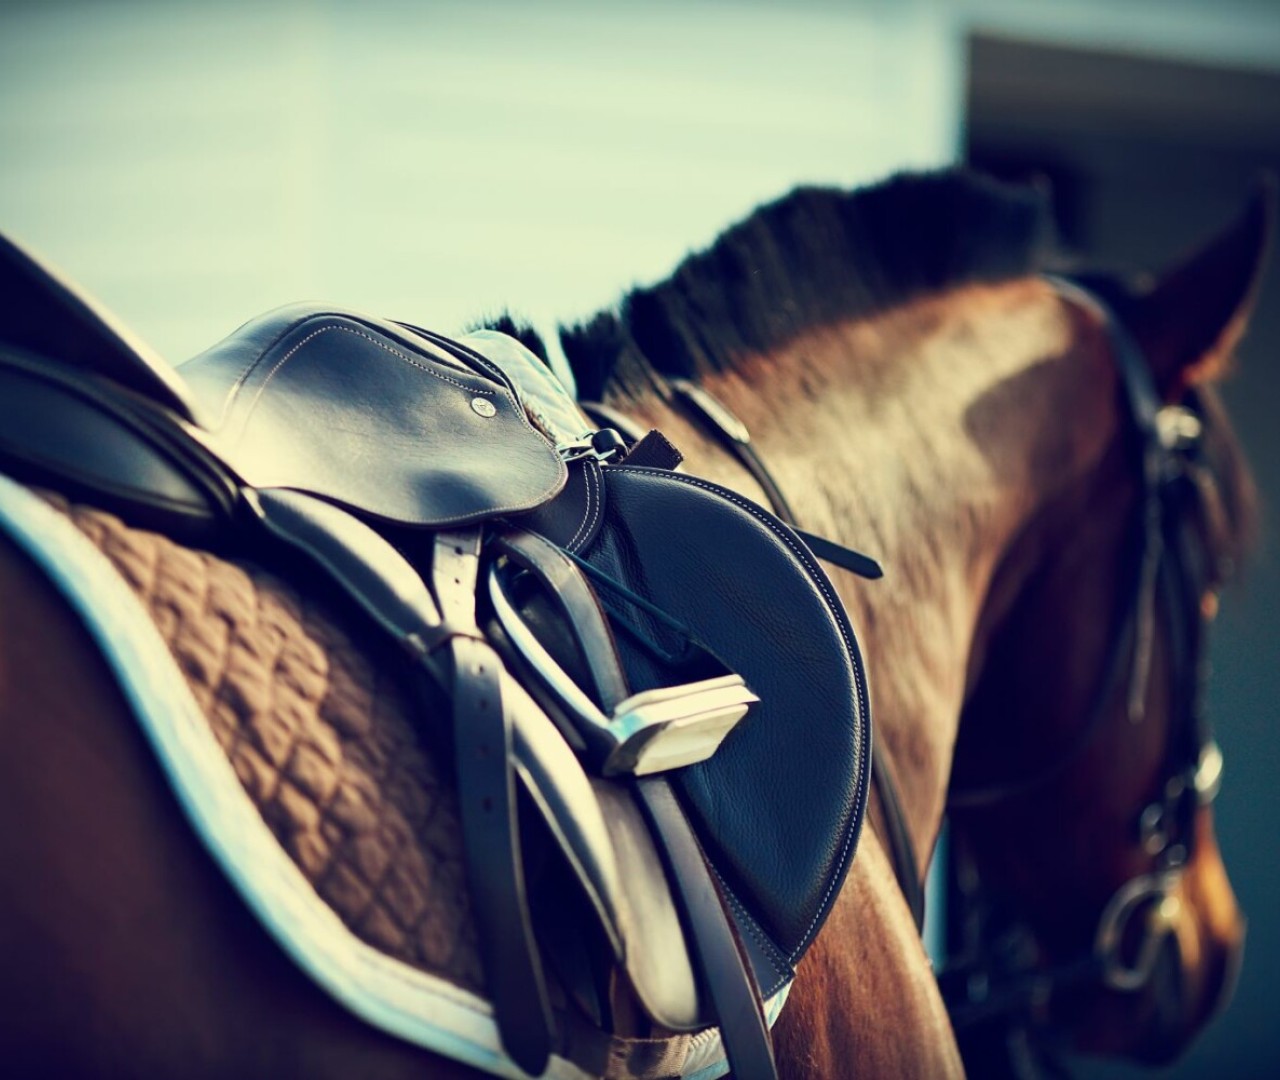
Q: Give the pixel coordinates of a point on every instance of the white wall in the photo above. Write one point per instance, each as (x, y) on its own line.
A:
(195, 164)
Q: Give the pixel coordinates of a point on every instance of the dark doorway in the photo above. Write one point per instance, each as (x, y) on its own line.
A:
(1145, 157)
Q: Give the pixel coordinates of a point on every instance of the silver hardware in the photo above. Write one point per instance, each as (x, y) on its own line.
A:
(649, 732)
(675, 726)
(1155, 837)
(1177, 427)
(483, 407)
(582, 447)
(1208, 778)
(1155, 893)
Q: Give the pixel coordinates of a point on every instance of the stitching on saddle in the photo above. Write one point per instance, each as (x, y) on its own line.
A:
(243, 377)
(818, 579)
(357, 333)
(592, 513)
(770, 950)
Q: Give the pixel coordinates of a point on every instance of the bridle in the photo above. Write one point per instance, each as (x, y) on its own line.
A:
(996, 974)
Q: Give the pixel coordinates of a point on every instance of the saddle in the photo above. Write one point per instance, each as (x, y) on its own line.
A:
(660, 722)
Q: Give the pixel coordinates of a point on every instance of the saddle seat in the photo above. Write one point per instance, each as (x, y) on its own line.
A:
(401, 426)
(373, 447)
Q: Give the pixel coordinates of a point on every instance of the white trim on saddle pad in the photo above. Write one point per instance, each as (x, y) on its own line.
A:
(392, 996)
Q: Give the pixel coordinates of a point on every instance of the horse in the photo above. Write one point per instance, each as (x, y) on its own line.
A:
(917, 388)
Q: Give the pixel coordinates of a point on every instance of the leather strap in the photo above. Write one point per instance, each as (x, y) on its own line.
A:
(577, 603)
(733, 435)
(837, 554)
(902, 851)
(734, 992)
(726, 973)
(483, 753)
(387, 588)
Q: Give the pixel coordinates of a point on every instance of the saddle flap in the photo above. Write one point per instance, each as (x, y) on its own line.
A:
(779, 806)
(373, 417)
(48, 314)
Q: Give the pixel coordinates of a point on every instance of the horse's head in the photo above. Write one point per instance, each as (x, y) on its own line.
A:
(1095, 902)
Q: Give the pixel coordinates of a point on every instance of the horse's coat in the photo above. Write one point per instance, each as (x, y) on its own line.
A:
(933, 403)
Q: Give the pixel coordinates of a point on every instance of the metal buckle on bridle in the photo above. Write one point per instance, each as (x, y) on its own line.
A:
(1141, 915)
(1199, 787)
(1152, 895)
(1178, 428)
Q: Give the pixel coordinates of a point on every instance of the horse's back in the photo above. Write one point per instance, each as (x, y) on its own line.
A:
(170, 974)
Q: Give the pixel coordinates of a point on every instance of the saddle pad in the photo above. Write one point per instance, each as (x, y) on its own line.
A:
(779, 806)
(332, 840)
(374, 417)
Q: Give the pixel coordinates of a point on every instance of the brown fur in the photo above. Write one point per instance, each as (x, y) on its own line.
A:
(957, 432)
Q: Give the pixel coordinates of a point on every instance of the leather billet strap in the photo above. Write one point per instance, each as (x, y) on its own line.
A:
(484, 755)
(733, 435)
(441, 633)
(726, 973)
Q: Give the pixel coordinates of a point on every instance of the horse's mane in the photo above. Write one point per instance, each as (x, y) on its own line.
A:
(815, 256)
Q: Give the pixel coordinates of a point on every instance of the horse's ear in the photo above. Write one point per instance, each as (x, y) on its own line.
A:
(1193, 316)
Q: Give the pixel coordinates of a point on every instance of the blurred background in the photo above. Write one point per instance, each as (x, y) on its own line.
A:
(196, 163)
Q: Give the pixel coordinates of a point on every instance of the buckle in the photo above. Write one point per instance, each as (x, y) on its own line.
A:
(1149, 898)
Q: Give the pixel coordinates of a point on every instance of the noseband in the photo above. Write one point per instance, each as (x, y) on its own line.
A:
(997, 975)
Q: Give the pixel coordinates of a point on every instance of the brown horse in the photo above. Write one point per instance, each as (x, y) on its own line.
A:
(917, 390)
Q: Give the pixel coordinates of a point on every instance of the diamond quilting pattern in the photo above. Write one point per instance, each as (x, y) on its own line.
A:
(323, 738)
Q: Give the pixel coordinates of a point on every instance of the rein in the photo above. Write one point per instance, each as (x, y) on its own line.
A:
(732, 434)
(999, 974)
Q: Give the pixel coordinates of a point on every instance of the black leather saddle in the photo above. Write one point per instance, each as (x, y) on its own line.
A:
(652, 667)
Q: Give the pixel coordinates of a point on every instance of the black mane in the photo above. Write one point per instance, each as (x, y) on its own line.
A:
(815, 256)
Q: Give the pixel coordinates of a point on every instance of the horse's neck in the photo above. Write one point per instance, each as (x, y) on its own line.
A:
(927, 437)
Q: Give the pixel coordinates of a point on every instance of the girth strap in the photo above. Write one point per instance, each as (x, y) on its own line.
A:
(484, 755)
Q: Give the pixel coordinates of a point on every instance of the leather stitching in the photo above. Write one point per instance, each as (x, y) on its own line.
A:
(770, 950)
(592, 512)
(357, 333)
(817, 578)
